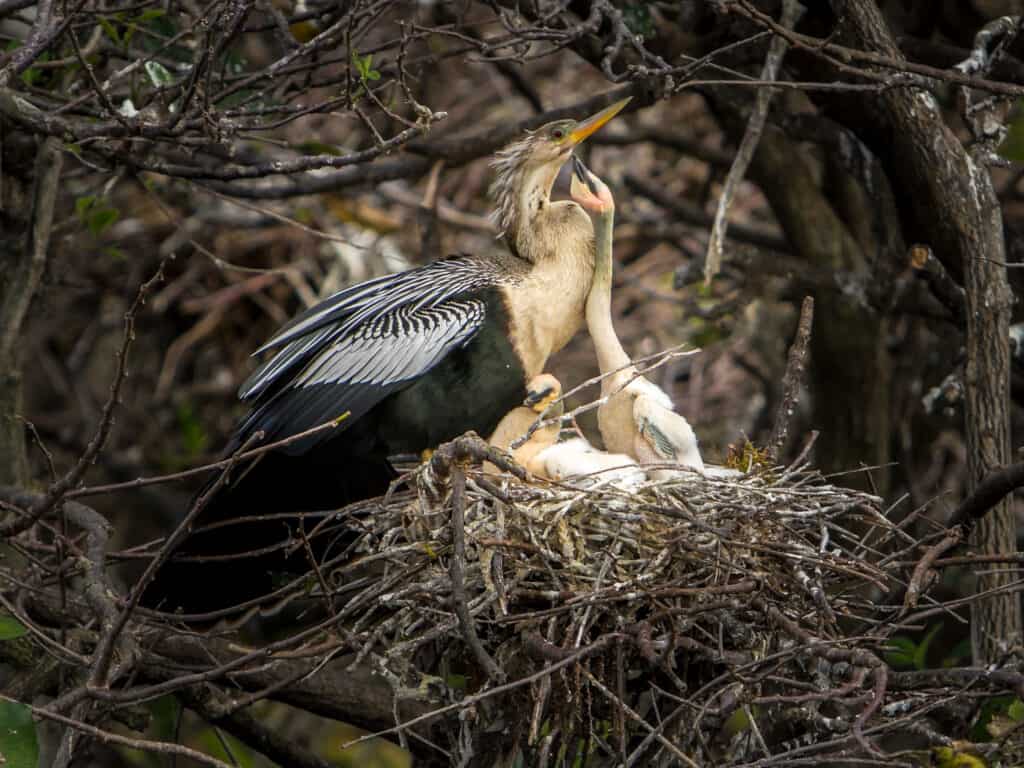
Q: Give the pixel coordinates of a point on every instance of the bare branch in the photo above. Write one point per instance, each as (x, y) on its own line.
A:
(791, 12)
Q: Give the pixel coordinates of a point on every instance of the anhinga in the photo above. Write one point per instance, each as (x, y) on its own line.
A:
(414, 359)
(553, 453)
(542, 391)
(637, 417)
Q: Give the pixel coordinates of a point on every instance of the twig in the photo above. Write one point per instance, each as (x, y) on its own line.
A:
(59, 489)
(923, 567)
(686, 759)
(22, 283)
(457, 570)
(222, 464)
(598, 645)
(791, 12)
(99, 675)
(144, 745)
(214, 706)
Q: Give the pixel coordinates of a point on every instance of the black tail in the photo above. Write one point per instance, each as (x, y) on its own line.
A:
(257, 514)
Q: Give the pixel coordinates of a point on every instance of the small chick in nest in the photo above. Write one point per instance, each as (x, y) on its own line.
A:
(552, 453)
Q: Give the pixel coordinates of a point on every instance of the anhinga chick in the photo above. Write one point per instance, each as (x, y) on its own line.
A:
(550, 452)
(547, 452)
(541, 392)
(637, 416)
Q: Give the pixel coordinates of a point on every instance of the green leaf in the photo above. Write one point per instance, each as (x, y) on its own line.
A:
(903, 655)
(11, 628)
(18, 745)
(166, 711)
(1012, 147)
(240, 754)
(921, 652)
(319, 148)
(83, 204)
(456, 682)
(152, 13)
(110, 30)
(1016, 710)
(961, 653)
(158, 74)
(101, 220)
(364, 67)
(193, 436)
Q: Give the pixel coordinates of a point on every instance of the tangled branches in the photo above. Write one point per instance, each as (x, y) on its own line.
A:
(733, 622)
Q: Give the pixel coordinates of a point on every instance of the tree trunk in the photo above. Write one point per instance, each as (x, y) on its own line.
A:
(996, 621)
(958, 213)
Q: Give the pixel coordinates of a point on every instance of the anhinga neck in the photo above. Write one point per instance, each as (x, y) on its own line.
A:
(610, 354)
(524, 194)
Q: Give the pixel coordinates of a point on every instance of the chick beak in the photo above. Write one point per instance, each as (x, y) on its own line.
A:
(532, 398)
(581, 172)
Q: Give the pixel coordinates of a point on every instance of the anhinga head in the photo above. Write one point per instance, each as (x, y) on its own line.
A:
(526, 169)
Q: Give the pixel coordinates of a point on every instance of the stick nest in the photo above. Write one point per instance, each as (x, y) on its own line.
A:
(595, 605)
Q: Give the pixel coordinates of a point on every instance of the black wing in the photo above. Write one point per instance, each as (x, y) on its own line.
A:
(353, 349)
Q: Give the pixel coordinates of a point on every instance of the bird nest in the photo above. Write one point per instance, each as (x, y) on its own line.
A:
(595, 611)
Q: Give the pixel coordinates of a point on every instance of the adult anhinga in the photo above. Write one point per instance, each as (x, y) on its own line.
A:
(637, 417)
(413, 359)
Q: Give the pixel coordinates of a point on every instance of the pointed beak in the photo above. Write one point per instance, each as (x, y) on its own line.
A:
(581, 172)
(532, 398)
(591, 124)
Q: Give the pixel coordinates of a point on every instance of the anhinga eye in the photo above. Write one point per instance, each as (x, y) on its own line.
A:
(558, 133)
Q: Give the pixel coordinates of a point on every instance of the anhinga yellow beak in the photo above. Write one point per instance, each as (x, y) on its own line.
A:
(592, 123)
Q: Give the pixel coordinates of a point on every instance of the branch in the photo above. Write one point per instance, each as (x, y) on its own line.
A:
(987, 495)
(18, 286)
(793, 379)
(22, 282)
(358, 696)
(455, 151)
(214, 706)
(457, 570)
(57, 490)
(924, 566)
(107, 737)
(989, 44)
(888, 58)
(791, 12)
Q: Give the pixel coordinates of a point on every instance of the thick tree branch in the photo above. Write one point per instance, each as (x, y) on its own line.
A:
(987, 495)
(793, 380)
